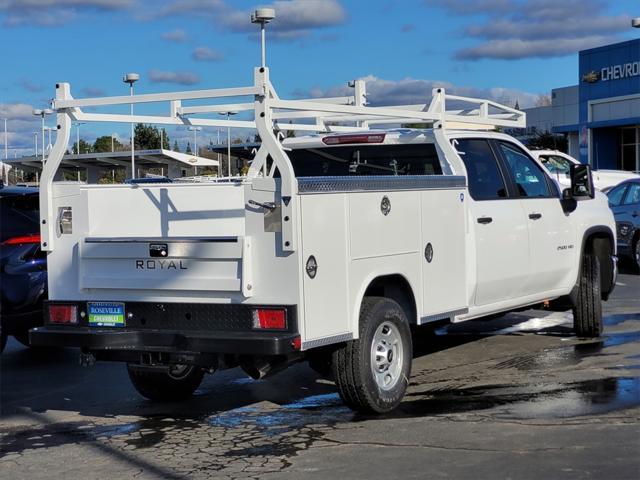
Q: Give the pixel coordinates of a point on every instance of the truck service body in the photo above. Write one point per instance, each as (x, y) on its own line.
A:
(327, 251)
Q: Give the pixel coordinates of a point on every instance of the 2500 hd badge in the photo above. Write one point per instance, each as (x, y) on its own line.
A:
(160, 265)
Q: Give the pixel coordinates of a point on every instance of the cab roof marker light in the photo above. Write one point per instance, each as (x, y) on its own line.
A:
(358, 138)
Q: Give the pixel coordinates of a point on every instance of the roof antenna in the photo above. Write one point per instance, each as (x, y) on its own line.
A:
(263, 16)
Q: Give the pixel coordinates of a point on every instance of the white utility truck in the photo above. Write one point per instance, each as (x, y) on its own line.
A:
(329, 250)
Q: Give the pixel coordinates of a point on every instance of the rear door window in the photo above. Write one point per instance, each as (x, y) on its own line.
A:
(483, 174)
(395, 160)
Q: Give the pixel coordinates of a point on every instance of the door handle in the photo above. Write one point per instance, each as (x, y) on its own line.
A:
(485, 220)
(535, 216)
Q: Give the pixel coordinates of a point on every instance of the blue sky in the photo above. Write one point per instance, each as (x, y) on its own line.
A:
(505, 49)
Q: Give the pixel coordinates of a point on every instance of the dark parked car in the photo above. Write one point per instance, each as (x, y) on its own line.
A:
(624, 200)
(23, 266)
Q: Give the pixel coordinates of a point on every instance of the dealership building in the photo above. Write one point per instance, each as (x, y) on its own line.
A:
(601, 115)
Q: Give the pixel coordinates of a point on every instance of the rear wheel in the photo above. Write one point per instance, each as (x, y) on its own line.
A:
(587, 313)
(373, 371)
(176, 382)
(3, 341)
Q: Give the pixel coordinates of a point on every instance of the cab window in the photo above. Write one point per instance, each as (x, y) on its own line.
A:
(417, 159)
(529, 179)
(483, 174)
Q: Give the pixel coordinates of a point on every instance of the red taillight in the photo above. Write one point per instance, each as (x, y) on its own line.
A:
(269, 318)
(35, 238)
(358, 138)
(63, 314)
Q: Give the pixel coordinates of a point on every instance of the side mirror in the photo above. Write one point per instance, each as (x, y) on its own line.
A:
(581, 181)
(569, 204)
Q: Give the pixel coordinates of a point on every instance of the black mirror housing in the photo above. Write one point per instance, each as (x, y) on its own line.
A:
(581, 181)
(569, 204)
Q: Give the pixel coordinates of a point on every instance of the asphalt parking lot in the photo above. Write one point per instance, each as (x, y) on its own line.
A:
(514, 397)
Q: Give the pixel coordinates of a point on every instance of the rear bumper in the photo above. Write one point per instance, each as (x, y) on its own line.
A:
(173, 328)
(240, 343)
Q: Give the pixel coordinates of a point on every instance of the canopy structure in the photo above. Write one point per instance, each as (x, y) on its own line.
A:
(96, 165)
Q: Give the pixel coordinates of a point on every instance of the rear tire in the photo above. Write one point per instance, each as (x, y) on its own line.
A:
(3, 342)
(372, 372)
(587, 313)
(159, 385)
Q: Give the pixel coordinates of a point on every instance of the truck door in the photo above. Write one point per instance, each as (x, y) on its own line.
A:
(499, 224)
(552, 242)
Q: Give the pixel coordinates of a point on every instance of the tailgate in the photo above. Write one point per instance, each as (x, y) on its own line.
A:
(174, 238)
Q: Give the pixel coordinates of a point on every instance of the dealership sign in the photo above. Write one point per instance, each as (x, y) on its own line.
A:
(613, 72)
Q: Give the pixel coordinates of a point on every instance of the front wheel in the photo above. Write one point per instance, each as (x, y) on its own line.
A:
(372, 372)
(176, 382)
(587, 313)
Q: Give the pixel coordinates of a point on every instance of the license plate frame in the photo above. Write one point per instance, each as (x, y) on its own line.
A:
(106, 314)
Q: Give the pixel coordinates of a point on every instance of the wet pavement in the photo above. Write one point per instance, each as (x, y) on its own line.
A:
(513, 397)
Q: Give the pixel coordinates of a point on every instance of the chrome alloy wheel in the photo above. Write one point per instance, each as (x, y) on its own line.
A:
(636, 254)
(387, 356)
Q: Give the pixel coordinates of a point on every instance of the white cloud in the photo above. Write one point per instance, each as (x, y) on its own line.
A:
(294, 18)
(54, 12)
(205, 54)
(534, 28)
(381, 92)
(181, 78)
(177, 36)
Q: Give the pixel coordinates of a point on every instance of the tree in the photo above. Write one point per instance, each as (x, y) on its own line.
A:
(548, 141)
(85, 147)
(188, 150)
(517, 107)
(543, 101)
(176, 148)
(103, 144)
(148, 137)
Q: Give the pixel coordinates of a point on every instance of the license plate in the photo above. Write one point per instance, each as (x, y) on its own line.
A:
(106, 314)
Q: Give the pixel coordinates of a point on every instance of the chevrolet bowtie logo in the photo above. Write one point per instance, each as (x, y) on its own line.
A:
(591, 77)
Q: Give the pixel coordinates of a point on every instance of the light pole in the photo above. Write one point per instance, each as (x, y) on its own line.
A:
(195, 131)
(263, 16)
(35, 143)
(42, 113)
(5, 172)
(6, 142)
(77, 124)
(132, 78)
(113, 136)
(228, 114)
(49, 145)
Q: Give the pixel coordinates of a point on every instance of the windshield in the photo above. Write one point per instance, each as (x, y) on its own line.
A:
(416, 159)
(556, 164)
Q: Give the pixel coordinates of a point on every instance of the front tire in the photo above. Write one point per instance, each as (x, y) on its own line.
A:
(372, 372)
(177, 382)
(587, 313)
